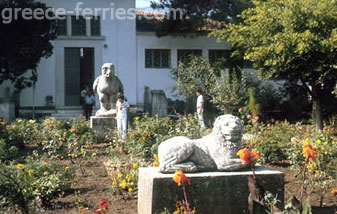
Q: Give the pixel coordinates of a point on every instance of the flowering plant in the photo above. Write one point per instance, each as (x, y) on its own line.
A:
(183, 206)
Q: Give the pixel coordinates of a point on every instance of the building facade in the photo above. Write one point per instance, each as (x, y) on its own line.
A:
(141, 58)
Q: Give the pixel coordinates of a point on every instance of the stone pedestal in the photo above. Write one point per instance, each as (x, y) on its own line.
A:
(209, 192)
(103, 125)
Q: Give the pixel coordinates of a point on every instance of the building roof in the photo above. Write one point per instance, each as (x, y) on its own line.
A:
(150, 21)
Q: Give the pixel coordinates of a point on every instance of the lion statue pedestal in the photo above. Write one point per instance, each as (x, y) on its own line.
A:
(219, 179)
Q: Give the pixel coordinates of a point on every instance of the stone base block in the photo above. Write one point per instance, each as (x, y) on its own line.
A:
(209, 192)
(103, 125)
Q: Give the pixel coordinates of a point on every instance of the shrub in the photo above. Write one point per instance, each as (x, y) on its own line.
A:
(272, 141)
(14, 136)
(149, 132)
(33, 183)
(321, 171)
(66, 139)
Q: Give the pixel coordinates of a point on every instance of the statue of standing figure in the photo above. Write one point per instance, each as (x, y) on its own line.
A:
(107, 86)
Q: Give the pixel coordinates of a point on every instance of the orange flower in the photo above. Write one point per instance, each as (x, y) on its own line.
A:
(72, 130)
(309, 152)
(334, 192)
(180, 178)
(246, 156)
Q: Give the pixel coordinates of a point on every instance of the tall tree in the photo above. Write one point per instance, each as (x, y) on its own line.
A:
(24, 40)
(293, 40)
(195, 15)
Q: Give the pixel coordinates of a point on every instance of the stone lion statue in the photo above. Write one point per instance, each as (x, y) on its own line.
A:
(216, 151)
(107, 87)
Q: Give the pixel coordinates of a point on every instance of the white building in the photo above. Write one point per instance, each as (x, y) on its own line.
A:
(141, 58)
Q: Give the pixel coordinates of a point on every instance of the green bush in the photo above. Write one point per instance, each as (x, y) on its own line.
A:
(272, 141)
(66, 139)
(14, 136)
(318, 174)
(149, 132)
(24, 186)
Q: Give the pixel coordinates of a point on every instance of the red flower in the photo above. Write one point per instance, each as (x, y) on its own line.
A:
(180, 178)
(249, 116)
(103, 204)
(97, 212)
(184, 118)
(246, 156)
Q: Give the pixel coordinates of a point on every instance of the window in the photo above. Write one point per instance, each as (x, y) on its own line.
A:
(215, 55)
(95, 26)
(157, 58)
(78, 26)
(62, 26)
(183, 55)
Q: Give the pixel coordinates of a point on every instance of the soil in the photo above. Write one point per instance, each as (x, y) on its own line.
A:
(93, 185)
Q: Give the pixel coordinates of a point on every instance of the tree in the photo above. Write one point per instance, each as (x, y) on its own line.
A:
(225, 89)
(197, 13)
(23, 41)
(292, 40)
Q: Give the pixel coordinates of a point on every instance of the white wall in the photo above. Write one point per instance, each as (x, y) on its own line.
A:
(160, 78)
(117, 45)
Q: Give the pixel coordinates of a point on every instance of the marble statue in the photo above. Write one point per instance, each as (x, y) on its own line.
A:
(107, 87)
(216, 151)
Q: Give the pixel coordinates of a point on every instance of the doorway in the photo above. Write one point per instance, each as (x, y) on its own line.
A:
(78, 73)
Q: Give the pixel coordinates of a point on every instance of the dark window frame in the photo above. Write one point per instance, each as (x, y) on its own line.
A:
(153, 63)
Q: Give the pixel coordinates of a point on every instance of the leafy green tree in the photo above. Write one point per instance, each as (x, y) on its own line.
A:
(196, 13)
(292, 40)
(23, 42)
(225, 89)
(229, 90)
(196, 74)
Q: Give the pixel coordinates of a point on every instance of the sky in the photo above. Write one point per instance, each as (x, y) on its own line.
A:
(143, 3)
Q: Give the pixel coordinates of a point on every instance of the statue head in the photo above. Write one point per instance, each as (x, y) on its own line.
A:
(229, 127)
(108, 70)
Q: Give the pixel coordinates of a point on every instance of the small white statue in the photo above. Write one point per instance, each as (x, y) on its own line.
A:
(107, 87)
(216, 151)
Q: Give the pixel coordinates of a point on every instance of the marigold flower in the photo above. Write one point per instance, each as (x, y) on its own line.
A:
(72, 130)
(45, 172)
(135, 165)
(120, 175)
(44, 164)
(309, 152)
(66, 168)
(123, 184)
(155, 164)
(2, 123)
(130, 189)
(334, 192)
(103, 204)
(180, 178)
(155, 157)
(19, 165)
(246, 156)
